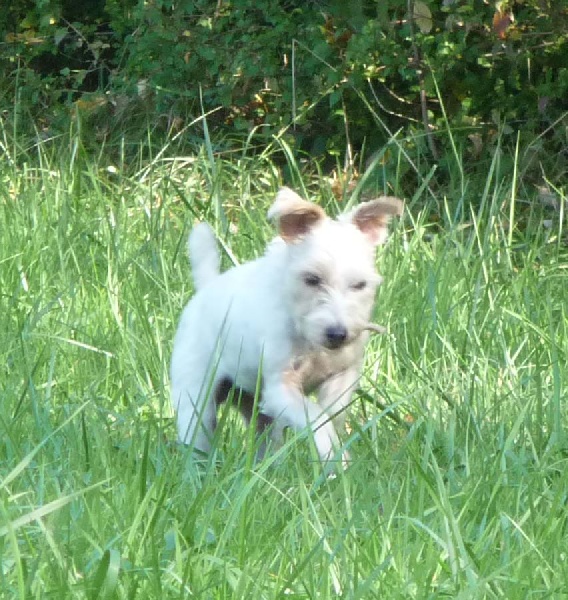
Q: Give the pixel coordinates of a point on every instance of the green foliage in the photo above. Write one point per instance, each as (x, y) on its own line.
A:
(342, 73)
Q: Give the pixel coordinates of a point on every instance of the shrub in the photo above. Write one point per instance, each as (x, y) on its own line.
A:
(333, 68)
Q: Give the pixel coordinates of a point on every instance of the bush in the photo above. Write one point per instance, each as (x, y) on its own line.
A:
(330, 67)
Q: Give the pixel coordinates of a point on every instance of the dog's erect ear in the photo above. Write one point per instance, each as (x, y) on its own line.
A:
(294, 216)
(372, 218)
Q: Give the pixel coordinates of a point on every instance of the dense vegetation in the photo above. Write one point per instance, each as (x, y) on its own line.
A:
(338, 77)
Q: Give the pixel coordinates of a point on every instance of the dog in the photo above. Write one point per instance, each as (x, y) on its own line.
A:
(292, 322)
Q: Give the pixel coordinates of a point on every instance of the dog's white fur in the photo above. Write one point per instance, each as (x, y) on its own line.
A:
(298, 315)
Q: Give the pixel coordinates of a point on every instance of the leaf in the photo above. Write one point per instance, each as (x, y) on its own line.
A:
(501, 22)
(59, 35)
(106, 576)
(23, 464)
(334, 98)
(44, 510)
(547, 197)
(477, 144)
(422, 17)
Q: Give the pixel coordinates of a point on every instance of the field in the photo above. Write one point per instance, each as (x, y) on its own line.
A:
(458, 487)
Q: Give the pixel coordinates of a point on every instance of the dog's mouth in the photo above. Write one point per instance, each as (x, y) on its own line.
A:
(337, 336)
(333, 345)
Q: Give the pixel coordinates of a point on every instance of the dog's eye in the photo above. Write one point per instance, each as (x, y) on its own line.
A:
(360, 285)
(312, 280)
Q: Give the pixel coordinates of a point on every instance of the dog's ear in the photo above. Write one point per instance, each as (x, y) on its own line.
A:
(294, 216)
(372, 218)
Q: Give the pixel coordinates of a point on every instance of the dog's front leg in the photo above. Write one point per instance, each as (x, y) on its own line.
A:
(288, 407)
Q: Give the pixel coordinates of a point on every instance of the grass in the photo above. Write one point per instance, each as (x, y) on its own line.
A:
(463, 494)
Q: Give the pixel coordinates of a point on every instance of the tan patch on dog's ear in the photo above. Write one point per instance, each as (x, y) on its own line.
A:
(295, 216)
(372, 218)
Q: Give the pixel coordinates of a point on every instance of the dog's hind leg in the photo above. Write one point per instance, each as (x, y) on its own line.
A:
(192, 398)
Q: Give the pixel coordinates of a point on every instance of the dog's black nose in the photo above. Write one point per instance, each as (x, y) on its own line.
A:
(335, 336)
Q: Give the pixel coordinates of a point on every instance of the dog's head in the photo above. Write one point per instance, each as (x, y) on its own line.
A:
(330, 279)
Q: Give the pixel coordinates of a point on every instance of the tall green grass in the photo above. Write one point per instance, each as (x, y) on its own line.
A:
(458, 486)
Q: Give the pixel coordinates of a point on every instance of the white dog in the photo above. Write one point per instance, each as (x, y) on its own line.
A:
(291, 322)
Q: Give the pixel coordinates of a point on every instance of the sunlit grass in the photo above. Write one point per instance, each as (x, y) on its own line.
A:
(458, 485)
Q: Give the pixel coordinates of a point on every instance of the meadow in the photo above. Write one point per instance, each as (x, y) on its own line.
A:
(458, 487)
